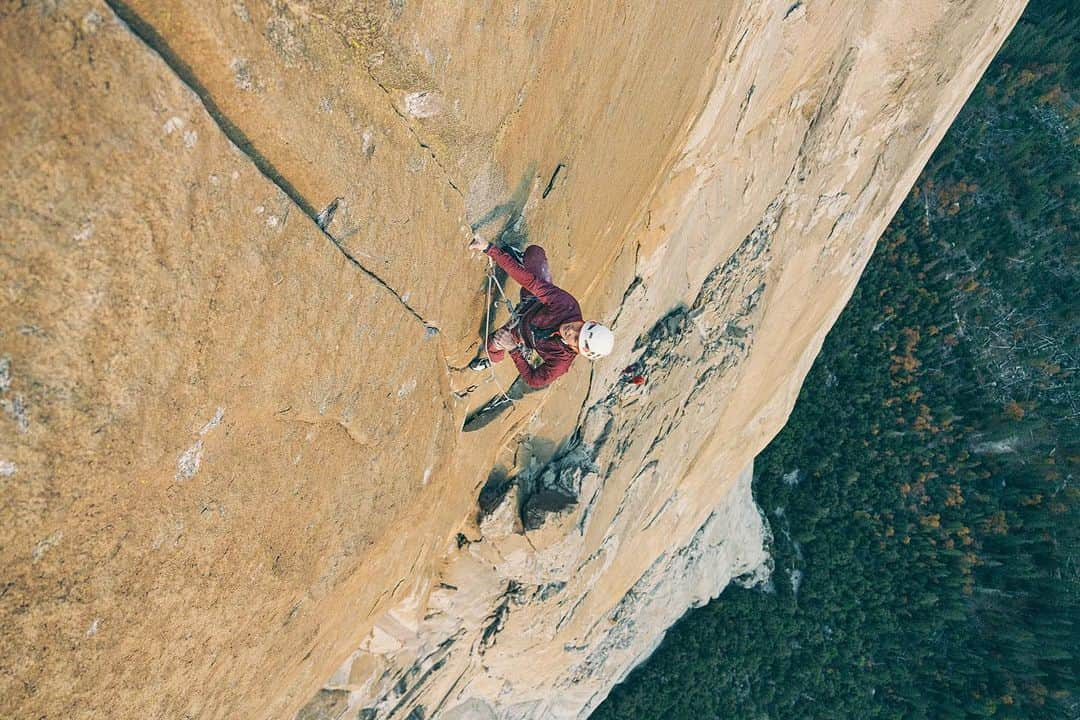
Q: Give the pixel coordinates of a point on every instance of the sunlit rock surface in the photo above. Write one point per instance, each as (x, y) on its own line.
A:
(235, 295)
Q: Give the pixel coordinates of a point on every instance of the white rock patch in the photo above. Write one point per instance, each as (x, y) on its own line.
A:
(423, 104)
(188, 462)
(173, 124)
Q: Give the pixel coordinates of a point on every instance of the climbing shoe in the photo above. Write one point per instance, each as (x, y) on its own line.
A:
(479, 364)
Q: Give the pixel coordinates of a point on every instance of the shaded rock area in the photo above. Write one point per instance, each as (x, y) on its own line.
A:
(326, 705)
(236, 302)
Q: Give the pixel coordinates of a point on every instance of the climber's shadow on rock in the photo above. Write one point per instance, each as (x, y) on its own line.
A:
(522, 478)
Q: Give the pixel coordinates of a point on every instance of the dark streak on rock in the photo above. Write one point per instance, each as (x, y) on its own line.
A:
(551, 182)
(495, 621)
(407, 688)
(447, 694)
(745, 106)
(738, 44)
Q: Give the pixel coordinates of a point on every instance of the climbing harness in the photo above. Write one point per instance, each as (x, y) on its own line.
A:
(516, 314)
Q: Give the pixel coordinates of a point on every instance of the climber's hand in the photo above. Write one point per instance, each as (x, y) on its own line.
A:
(504, 339)
(478, 244)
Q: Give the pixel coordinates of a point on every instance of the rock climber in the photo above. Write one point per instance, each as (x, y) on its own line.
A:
(547, 320)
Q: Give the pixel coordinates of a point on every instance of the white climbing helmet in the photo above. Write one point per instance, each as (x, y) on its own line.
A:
(595, 340)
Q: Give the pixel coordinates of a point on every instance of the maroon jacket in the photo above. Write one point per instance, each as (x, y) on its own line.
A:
(539, 323)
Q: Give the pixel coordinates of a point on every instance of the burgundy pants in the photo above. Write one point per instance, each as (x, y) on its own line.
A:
(536, 262)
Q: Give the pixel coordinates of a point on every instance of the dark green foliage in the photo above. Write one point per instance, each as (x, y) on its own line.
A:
(935, 515)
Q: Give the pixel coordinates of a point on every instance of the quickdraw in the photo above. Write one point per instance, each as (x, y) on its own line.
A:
(461, 394)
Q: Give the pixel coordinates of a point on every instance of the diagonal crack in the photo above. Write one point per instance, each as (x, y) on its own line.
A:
(153, 40)
(416, 135)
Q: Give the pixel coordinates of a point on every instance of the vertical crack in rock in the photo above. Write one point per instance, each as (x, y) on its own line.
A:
(156, 43)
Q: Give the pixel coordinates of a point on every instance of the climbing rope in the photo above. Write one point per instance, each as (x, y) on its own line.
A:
(492, 280)
(492, 277)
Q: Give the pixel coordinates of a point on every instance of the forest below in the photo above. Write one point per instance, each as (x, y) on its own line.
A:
(923, 496)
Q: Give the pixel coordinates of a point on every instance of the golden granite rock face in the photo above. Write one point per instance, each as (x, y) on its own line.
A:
(236, 295)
